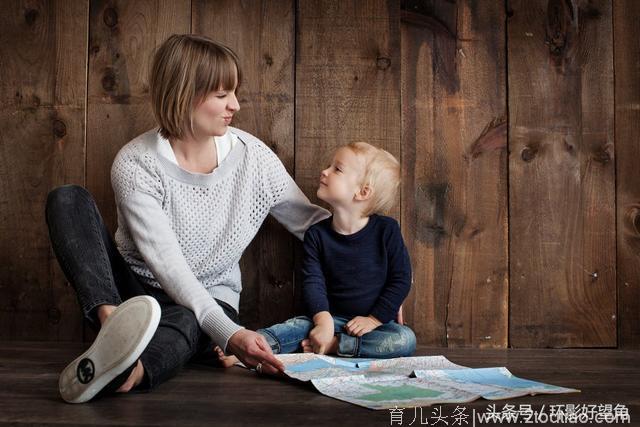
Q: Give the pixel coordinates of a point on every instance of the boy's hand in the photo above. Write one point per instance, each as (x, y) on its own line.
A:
(320, 339)
(360, 325)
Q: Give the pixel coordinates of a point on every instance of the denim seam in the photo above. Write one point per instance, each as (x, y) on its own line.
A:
(277, 341)
(103, 250)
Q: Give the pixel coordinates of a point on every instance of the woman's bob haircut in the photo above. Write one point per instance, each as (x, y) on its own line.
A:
(185, 69)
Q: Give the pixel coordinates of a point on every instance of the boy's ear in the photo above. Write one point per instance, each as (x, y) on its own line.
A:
(364, 193)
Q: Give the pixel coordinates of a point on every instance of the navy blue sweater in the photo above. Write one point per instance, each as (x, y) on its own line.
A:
(361, 274)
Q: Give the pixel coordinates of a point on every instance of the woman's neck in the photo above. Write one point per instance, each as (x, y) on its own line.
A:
(196, 154)
(348, 222)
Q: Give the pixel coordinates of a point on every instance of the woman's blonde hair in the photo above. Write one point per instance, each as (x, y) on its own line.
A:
(382, 175)
(185, 69)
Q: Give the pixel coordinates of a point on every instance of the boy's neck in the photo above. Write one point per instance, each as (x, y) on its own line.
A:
(348, 222)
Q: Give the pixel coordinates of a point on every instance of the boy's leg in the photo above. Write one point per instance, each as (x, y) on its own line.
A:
(286, 337)
(386, 341)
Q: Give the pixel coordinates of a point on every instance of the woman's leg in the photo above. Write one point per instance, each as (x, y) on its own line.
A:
(286, 337)
(172, 346)
(386, 341)
(86, 253)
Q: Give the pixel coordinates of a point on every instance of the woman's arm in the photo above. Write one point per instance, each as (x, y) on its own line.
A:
(151, 231)
(294, 210)
(156, 241)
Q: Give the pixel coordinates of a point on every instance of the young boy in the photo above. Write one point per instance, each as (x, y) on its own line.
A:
(356, 269)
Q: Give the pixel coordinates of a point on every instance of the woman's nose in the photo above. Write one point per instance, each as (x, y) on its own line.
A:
(233, 104)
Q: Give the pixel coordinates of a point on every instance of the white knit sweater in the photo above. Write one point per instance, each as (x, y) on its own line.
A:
(185, 232)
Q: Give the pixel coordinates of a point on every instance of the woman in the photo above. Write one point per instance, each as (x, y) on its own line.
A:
(191, 195)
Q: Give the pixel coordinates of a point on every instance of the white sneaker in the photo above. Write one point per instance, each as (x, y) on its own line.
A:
(120, 342)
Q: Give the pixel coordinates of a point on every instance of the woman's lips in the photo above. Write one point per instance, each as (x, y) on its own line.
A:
(227, 120)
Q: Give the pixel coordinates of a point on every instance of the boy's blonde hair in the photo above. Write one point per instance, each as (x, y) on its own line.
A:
(382, 175)
(185, 69)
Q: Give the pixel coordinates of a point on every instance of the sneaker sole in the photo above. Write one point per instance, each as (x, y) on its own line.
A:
(120, 342)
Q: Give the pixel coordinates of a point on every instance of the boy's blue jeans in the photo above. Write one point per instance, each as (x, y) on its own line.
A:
(386, 341)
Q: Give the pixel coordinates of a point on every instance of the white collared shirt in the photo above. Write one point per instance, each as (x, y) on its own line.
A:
(224, 144)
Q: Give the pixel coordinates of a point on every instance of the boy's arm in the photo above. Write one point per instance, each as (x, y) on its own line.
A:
(314, 289)
(323, 319)
(398, 281)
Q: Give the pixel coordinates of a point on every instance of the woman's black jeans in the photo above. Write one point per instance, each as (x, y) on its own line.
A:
(93, 265)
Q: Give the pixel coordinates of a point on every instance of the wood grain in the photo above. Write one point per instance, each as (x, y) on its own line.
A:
(42, 108)
(519, 210)
(204, 395)
(454, 212)
(123, 37)
(561, 174)
(627, 119)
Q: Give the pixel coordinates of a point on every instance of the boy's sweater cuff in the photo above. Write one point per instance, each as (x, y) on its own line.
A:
(220, 328)
(384, 316)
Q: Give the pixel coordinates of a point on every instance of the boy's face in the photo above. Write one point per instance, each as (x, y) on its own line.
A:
(340, 182)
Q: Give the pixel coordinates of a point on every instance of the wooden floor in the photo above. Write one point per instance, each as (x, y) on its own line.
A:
(202, 395)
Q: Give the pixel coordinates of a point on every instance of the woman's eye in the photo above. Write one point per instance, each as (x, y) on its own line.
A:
(221, 95)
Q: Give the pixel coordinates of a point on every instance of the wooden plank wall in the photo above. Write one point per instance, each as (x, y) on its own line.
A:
(454, 211)
(627, 143)
(563, 288)
(516, 124)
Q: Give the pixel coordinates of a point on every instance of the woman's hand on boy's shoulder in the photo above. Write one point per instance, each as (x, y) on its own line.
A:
(360, 325)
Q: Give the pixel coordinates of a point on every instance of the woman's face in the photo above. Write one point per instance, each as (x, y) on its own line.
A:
(213, 115)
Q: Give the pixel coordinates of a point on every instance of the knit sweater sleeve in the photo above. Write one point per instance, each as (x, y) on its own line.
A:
(290, 206)
(139, 194)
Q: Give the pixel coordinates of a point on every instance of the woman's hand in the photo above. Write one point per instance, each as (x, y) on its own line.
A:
(252, 348)
(360, 325)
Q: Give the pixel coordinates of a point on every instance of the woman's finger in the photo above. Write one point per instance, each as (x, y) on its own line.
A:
(267, 368)
(267, 355)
